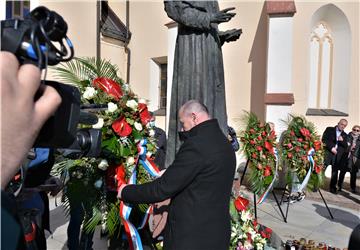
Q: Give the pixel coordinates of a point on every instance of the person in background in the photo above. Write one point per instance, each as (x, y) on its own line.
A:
(160, 137)
(198, 182)
(335, 146)
(353, 163)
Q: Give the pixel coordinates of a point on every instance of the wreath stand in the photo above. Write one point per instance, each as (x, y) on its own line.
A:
(282, 197)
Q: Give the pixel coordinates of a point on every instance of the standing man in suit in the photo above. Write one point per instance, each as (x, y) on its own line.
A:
(336, 145)
(198, 182)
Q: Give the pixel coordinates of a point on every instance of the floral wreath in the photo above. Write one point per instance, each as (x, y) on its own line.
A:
(246, 233)
(259, 144)
(301, 150)
(124, 121)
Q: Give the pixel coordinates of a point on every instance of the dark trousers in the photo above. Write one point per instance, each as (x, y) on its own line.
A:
(77, 213)
(353, 173)
(334, 178)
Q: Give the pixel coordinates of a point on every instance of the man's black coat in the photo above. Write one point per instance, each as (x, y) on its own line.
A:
(199, 183)
(329, 139)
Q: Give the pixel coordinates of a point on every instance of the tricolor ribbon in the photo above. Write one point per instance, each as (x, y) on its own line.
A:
(148, 212)
(125, 209)
(265, 194)
(310, 154)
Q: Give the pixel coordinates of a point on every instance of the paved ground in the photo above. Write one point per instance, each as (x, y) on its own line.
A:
(308, 218)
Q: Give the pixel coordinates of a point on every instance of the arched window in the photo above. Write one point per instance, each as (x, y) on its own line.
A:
(330, 54)
(321, 51)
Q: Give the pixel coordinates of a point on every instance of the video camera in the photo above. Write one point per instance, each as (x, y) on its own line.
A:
(39, 39)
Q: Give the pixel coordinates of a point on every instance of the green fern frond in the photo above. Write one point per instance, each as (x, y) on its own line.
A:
(91, 222)
(113, 219)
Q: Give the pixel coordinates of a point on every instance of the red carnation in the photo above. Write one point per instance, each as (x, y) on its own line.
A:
(241, 203)
(289, 155)
(145, 116)
(272, 135)
(255, 223)
(109, 86)
(300, 139)
(267, 171)
(268, 230)
(317, 145)
(297, 149)
(268, 146)
(317, 169)
(259, 166)
(259, 138)
(289, 145)
(252, 131)
(292, 133)
(263, 133)
(121, 127)
(254, 155)
(259, 148)
(252, 142)
(305, 132)
(305, 146)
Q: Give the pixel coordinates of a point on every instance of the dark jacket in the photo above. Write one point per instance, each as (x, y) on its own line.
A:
(329, 139)
(160, 137)
(199, 182)
(354, 156)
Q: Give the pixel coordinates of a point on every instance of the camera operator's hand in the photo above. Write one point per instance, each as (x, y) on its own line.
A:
(21, 116)
(222, 16)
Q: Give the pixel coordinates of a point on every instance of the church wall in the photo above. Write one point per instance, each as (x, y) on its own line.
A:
(302, 28)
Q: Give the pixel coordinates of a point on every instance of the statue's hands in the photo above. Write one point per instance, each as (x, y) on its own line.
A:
(222, 16)
(229, 35)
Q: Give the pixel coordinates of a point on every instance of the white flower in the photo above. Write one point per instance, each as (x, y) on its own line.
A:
(112, 107)
(89, 93)
(138, 126)
(103, 165)
(148, 154)
(259, 246)
(99, 124)
(126, 87)
(132, 104)
(130, 161)
(245, 215)
(98, 184)
(151, 132)
(248, 245)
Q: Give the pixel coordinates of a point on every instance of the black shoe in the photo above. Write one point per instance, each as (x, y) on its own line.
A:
(333, 190)
(353, 191)
(340, 189)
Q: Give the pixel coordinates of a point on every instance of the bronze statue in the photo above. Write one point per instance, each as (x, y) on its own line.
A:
(198, 64)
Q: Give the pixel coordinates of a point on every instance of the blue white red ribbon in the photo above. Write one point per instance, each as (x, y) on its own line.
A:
(146, 217)
(265, 194)
(310, 154)
(125, 209)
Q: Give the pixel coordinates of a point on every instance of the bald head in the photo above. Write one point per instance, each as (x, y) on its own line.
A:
(192, 113)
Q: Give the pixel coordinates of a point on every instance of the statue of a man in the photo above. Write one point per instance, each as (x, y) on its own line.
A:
(198, 64)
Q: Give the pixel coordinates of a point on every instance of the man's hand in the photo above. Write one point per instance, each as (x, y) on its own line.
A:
(334, 151)
(21, 116)
(340, 138)
(229, 35)
(222, 16)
